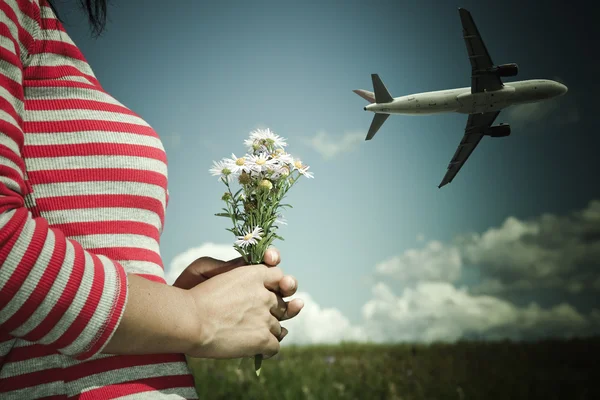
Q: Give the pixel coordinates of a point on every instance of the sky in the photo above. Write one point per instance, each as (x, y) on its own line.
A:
(509, 249)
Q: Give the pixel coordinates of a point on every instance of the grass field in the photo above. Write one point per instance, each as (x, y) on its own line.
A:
(546, 370)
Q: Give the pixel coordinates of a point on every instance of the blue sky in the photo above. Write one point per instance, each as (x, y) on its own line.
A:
(375, 245)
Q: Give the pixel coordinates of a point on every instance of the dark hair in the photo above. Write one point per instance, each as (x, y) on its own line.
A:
(95, 10)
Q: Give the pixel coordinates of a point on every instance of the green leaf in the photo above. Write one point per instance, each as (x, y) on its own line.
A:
(227, 215)
(286, 205)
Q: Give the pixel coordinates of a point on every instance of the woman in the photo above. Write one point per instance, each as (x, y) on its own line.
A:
(84, 308)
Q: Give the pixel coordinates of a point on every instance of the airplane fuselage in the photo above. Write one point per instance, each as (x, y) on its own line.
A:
(461, 100)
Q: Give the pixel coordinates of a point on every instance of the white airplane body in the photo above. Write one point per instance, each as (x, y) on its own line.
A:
(483, 101)
(462, 101)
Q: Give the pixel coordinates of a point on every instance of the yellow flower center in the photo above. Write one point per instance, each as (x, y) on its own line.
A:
(248, 237)
(298, 164)
(260, 161)
(240, 161)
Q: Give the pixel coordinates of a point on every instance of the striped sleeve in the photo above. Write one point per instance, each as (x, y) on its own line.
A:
(52, 291)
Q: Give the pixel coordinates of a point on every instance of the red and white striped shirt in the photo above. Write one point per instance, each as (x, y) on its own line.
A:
(83, 194)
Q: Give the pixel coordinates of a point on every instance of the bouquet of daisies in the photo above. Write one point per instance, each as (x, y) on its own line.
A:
(265, 174)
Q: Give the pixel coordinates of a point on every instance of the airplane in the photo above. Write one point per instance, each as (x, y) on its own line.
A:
(483, 101)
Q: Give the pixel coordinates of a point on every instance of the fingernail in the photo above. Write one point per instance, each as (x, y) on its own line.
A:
(292, 284)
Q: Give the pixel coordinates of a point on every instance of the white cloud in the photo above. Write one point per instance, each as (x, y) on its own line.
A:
(550, 251)
(440, 312)
(330, 146)
(316, 324)
(434, 262)
(181, 261)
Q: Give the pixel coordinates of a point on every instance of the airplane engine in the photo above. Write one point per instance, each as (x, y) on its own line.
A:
(501, 130)
(507, 69)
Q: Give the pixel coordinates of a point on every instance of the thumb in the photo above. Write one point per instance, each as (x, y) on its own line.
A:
(204, 268)
(220, 267)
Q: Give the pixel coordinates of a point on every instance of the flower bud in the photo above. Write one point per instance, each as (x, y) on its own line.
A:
(249, 206)
(226, 171)
(244, 178)
(265, 185)
(226, 196)
(285, 172)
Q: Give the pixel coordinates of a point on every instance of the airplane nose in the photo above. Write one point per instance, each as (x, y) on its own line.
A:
(365, 108)
(563, 89)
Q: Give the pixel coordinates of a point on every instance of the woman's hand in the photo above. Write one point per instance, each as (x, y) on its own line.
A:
(238, 313)
(205, 268)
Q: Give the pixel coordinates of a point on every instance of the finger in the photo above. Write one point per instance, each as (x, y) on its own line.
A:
(272, 257)
(279, 309)
(293, 308)
(284, 333)
(271, 348)
(271, 278)
(275, 327)
(288, 286)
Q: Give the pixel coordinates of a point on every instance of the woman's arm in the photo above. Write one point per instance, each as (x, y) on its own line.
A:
(158, 318)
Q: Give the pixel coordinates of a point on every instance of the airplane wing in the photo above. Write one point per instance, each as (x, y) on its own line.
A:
(473, 134)
(479, 56)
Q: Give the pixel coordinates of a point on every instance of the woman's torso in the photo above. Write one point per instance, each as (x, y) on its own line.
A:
(98, 173)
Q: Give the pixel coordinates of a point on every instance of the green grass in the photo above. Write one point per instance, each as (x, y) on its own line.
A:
(466, 370)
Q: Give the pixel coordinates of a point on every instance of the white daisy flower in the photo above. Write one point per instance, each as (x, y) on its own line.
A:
(239, 165)
(303, 169)
(281, 157)
(222, 169)
(268, 135)
(260, 163)
(253, 145)
(280, 171)
(250, 238)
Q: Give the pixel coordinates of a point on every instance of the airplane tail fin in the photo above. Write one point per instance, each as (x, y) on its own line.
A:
(378, 120)
(368, 96)
(382, 95)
